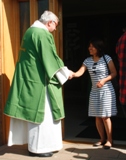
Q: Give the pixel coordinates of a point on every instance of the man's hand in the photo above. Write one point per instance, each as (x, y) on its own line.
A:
(71, 74)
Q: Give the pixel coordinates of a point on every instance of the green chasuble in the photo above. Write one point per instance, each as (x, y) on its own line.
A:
(34, 73)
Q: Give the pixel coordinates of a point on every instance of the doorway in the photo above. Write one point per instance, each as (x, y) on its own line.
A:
(83, 20)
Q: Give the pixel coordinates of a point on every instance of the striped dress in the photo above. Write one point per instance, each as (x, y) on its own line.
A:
(102, 101)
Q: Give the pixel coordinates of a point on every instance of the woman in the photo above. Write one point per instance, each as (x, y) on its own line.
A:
(102, 102)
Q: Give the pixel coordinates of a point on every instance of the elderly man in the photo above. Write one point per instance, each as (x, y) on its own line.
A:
(35, 102)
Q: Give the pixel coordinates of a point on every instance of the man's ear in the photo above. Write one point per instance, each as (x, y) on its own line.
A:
(49, 23)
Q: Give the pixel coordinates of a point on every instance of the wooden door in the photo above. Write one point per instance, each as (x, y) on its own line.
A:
(9, 42)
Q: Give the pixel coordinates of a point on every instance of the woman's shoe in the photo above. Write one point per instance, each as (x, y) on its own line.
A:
(99, 144)
(107, 145)
(40, 154)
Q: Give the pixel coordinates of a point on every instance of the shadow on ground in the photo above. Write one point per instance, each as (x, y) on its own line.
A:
(97, 153)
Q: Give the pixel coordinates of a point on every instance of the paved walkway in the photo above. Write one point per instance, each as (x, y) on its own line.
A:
(70, 151)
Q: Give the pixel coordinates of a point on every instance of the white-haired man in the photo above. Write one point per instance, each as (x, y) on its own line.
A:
(35, 102)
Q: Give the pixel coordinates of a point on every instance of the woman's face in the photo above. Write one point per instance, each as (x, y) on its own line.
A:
(92, 50)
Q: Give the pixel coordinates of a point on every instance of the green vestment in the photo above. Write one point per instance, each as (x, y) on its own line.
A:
(34, 73)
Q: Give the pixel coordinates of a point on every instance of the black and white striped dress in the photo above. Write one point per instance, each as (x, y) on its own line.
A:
(102, 101)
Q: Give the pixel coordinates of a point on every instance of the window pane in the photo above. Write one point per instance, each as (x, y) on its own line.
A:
(42, 6)
(24, 17)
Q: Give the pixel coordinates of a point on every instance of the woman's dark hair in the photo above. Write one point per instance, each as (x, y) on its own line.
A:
(99, 45)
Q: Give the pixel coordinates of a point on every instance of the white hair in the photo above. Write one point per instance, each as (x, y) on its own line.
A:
(48, 16)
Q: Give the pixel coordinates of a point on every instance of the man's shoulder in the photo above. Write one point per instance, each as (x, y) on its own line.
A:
(37, 32)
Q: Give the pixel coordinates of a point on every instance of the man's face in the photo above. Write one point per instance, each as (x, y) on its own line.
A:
(52, 25)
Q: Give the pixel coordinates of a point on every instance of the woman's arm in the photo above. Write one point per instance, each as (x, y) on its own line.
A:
(79, 73)
(112, 74)
(113, 71)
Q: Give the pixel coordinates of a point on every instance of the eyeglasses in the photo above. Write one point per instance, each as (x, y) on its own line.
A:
(54, 22)
(94, 67)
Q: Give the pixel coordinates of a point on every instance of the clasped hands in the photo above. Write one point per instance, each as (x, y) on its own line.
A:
(71, 75)
(100, 83)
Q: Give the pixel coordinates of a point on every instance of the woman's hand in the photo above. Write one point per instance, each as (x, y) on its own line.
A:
(100, 83)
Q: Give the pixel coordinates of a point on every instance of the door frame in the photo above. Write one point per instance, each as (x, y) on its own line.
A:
(56, 7)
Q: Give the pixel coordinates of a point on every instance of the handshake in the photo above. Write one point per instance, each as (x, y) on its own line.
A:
(63, 74)
(71, 75)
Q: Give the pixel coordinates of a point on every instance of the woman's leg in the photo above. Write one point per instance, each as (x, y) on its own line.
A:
(108, 128)
(101, 129)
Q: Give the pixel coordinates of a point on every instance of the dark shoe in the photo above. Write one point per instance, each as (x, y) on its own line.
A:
(107, 147)
(40, 154)
(99, 144)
